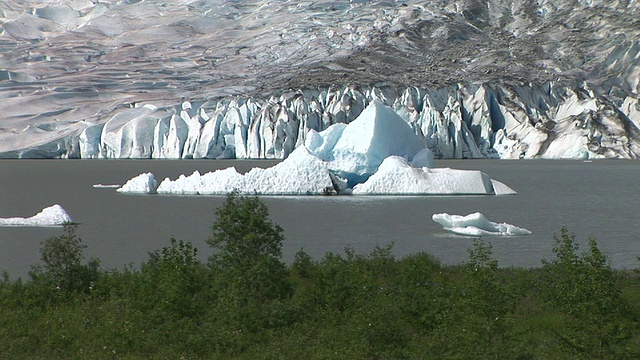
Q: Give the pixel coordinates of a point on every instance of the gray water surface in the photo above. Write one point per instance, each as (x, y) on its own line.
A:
(598, 198)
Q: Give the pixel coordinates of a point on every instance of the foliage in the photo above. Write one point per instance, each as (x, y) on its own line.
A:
(585, 289)
(249, 247)
(488, 299)
(248, 304)
(62, 267)
(251, 282)
(176, 279)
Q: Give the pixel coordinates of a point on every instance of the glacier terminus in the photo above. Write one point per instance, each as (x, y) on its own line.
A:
(259, 79)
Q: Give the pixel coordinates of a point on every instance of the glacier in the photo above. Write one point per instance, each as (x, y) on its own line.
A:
(476, 224)
(461, 121)
(254, 79)
(376, 154)
(51, 216)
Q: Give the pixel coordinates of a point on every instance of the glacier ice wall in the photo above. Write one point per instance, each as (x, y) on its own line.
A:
(472, 121)
(491, 78)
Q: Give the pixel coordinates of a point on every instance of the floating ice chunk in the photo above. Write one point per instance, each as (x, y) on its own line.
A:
(501, 189)
(141, 184)
(378, 153)
(396, 176)
(52, 216)
(300, 174)
(303, 173)
(106, 186)
(476, 224)
(355, 151)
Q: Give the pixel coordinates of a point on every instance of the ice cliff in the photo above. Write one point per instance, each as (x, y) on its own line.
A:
(480, 121)
(252, 79)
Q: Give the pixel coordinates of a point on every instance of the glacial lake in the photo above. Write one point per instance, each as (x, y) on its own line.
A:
(599, 198)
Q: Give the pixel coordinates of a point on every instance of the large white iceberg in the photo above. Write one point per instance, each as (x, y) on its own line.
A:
(476, 224)
(53, 215)
(355, 151)
(378, 153)
(300, 174)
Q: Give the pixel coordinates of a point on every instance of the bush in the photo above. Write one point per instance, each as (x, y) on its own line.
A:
(489, 300)
(251, 282)
(248, 304)
(248, 249)
(585, 289)
(176, 281)
(62, 267)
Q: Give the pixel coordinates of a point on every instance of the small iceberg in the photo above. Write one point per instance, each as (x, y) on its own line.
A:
(476, 224)
(106, 186)
(500, 188)
(142, 184)
(52, 216)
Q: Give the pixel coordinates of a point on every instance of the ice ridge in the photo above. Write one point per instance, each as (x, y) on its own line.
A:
(472, 121)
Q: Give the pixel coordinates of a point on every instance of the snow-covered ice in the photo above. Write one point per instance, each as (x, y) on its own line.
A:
(72, 89)
(396, 176)
(300, 174)
(53, 215)
(355, 151)
(377, 153)
(476, 224)
(142, 184)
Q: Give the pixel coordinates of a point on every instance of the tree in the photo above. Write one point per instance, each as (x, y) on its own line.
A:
(62, 266)
(250, 282)
(176, 280)
(588, 291)
(487, 303)
(249, 247)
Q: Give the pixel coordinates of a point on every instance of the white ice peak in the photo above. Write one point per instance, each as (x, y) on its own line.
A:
(53, 215)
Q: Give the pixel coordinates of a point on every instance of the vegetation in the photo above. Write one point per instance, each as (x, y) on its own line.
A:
(246, 303)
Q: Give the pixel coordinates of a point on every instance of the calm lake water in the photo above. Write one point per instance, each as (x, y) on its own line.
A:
(599, 198)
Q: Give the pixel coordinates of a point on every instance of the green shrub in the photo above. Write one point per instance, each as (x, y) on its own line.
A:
(251, 282)
(586, 291)
(247, 304)
(176, 280)
(62, 269)
(248, 249)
